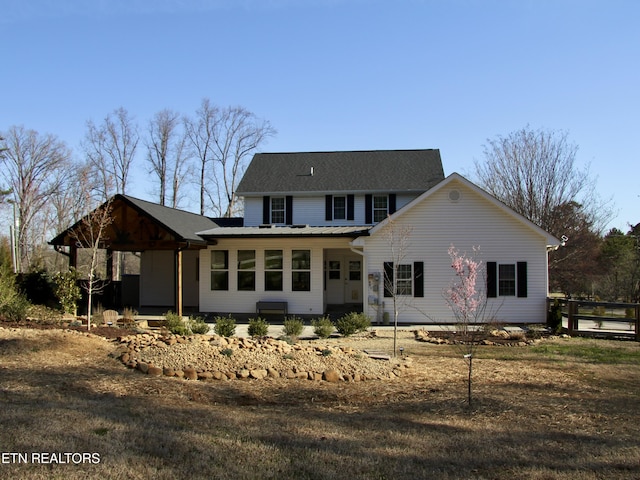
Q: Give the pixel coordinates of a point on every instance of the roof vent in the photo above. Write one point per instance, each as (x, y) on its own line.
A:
(311, 173)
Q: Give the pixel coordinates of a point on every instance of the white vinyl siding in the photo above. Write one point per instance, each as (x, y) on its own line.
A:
(310, 209)
(299, 302)
(435, 223)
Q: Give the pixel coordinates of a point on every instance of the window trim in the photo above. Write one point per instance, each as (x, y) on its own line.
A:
(248, 271)
(300, 272)
(222, 272)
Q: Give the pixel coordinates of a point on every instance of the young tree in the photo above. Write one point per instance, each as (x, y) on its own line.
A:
(91, 233)
(468, 302)
(30, 166)
(395, 280)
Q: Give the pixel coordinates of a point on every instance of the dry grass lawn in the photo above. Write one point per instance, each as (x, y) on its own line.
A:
(540, 413)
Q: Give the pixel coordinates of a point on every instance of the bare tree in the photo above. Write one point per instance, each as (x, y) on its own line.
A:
(200, 132)
(166, 155)
(237, 134)
(222, 139)
(31, 167)
(535, 173)
(110, 148)
(395, 280)
(90, 232)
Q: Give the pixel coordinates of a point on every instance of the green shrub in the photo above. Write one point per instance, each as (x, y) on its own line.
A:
(197, 325)
(326, 352)
(227, 352)
(629, 312)
(258, 327)
(292, 327)
(175, 324)
(322, 327)
(598, 311)
(225, 326)
(13, 304)
(38, 287)
(353, 323)
(68, 290)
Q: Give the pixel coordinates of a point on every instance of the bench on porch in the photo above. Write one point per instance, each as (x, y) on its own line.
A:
(266, 307)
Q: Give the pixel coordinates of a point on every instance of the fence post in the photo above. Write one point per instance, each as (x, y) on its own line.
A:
(571, 304)
(638, 322)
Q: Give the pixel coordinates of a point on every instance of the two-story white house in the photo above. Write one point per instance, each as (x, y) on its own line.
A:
(315, 235)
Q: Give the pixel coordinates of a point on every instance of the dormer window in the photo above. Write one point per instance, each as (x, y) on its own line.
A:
(277, 210)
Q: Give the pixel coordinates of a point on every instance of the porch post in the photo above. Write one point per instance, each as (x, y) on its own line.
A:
(179, 283)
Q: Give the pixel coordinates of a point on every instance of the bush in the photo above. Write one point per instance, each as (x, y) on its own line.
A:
(44, 314)
(554, 317)
(258, 327)
(353, 323)
(175, 324)
(292, 327)
(197, 325)
(322, 327)
(67, 290)
(38, 288)
(13, 304)
(598, 311)
(225, 326)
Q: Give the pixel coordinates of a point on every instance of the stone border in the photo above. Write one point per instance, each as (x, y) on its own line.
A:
(130, 353)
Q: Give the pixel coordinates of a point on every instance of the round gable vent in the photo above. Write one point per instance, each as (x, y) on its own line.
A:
(454, 195)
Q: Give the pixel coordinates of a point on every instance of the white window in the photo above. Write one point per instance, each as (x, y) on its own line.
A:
(277, 210)
(380, 207)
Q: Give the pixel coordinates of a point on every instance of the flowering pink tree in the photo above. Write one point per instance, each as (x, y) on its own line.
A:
(467, 302)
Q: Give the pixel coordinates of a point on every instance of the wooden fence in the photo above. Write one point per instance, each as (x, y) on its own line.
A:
(599, 318)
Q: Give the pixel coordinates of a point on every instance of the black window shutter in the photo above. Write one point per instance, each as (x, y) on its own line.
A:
(328, 207)
(266, 209)
(492, 279)
(522, 279)
(289, 210)
(368, 209)
(392, 203)
(350, 207)
(388, 279)
(418, 279)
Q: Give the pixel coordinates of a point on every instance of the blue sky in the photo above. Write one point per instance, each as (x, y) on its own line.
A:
(341, 74)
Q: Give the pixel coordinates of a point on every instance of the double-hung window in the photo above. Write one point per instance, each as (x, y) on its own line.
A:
(246, 270)
(339, 208)
(278, 206)
(506, 280)
(301, 270)
(273, 265)
(380, 207)
(403, 283)
(220, 270)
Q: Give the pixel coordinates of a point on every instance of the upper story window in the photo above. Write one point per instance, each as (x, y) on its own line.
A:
(339, 208)
(277, 210)
(380, 207)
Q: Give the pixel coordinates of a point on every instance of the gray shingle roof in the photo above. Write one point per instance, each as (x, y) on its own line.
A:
(355, 171)
(290, 231)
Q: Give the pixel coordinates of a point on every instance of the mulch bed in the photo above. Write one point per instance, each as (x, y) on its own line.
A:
(106, 332)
